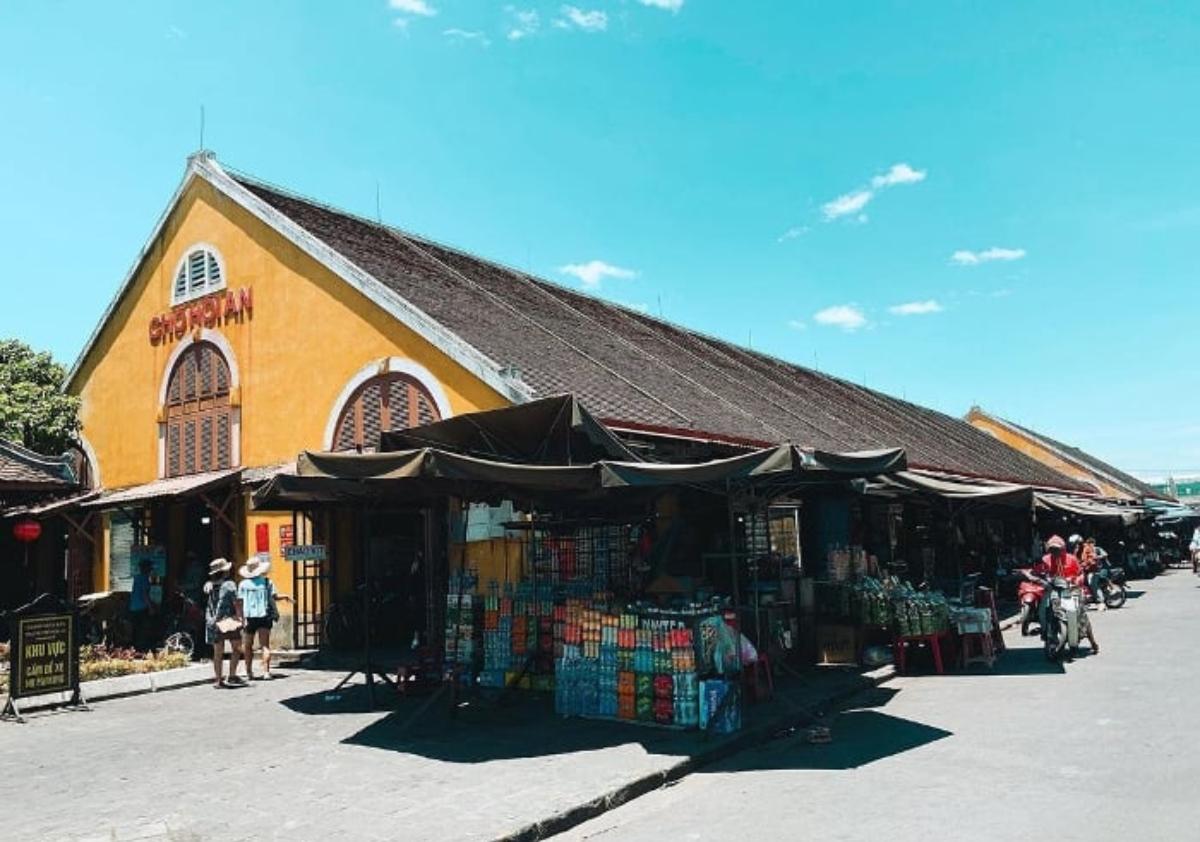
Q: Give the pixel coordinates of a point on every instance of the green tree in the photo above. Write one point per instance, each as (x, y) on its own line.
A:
(34, 411)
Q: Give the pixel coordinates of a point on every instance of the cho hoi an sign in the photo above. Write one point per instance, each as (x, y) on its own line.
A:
(222, 308)
(304, 552)
(43, 653)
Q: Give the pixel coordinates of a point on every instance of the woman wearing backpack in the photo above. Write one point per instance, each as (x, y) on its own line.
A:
(257, 595)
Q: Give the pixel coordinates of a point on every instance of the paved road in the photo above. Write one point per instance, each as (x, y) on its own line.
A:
(1115, 737)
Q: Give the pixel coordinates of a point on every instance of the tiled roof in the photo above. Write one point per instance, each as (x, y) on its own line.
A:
(23, 470)
(632, 369)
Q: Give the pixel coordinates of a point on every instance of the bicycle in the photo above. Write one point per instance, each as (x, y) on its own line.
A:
(342, 625)
(185, 621)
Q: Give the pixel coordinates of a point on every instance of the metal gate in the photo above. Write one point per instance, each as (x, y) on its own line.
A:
(310, 586)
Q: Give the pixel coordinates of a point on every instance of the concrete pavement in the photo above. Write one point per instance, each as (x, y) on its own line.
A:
(288, 760)
(1102, 748)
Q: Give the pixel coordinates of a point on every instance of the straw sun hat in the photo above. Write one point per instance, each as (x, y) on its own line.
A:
(254, 568)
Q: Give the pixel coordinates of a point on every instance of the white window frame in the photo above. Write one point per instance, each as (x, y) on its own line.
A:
(209, 287)
(387, 365)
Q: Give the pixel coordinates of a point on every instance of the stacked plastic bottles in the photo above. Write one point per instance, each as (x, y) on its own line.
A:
(460, 625)
(625, 666)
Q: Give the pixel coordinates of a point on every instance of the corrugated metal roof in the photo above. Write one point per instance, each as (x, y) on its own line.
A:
(162, 488)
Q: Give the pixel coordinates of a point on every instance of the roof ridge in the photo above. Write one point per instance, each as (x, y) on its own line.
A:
(1110, 472)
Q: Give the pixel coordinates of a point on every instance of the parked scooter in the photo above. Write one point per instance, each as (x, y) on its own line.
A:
(1030, 594)
(1110, 581)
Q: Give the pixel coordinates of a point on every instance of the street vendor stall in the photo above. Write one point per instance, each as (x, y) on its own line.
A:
(584, 578)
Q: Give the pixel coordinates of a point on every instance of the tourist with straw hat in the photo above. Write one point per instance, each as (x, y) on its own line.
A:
(223, 621)
(257, 596)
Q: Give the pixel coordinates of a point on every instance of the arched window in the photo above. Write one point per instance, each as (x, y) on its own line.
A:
(385, 402)
(198, 414)
(199, 273)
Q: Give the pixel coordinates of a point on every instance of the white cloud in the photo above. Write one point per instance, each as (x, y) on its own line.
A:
(465, 35)
(575, 17)
(592, 273)
(898, 174)
(175, 33)
(972, 258)
(413, 7)
(852, 203)
(916, 308)
(797, 324)
(793, 232)
(847, 204)
(845, 316)
(669, 5)
(525, 22)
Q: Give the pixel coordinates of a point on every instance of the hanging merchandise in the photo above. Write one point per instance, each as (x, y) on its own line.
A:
(460, 626)
(848, 563)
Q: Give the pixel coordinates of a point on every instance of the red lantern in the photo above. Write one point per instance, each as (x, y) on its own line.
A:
(27, 531)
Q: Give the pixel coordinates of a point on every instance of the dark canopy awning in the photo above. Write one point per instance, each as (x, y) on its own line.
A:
(1090, 508)
(1169, 513)
(552, 431)
(430, 463)
(1001, 494)
(413, 476)
(424, 473)
(785, 463)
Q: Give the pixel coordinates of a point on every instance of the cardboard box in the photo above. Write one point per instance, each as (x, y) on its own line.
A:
(837, 644)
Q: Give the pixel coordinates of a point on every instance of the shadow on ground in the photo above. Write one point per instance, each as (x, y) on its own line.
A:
(858, 738)
(1024, 660)
(479, 729)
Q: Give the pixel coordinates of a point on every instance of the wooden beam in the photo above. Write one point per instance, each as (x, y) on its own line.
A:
(82, 526)
(219, 511)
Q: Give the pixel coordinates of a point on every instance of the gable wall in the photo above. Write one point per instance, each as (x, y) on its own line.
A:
(309, 333)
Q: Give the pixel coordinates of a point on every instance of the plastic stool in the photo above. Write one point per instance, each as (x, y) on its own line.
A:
(986, 654)
(900, 650)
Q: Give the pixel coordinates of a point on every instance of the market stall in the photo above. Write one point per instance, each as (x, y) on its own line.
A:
(589, 579)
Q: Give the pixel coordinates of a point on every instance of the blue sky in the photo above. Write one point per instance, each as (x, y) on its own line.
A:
(993, 203)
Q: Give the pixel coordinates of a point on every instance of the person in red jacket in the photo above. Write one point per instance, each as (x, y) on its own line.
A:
(1058, 563)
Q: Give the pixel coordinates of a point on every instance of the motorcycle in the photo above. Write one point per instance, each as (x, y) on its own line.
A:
(1030, 594)
(1111, 584)
(1061, 609)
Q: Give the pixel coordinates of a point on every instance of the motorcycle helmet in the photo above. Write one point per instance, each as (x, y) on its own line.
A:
(1055, 542)
(1075, 540)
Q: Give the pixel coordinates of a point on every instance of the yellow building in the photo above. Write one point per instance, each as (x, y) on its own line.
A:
(255, 324)
(237, 340)
(1101, 478)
